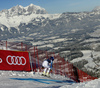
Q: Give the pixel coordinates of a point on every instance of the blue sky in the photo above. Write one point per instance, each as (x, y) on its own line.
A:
(54, 6)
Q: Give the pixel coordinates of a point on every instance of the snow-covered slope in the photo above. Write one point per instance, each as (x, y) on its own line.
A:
(15, 79)
(16, 20)
(9, 79)
(87, 56)
(92, 60)
(91, 84)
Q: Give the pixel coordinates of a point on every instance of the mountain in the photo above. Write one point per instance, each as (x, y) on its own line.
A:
(20, 10)
(96, 9)
(33, 23)
(19, 14)
(67, 33)
(15, 15)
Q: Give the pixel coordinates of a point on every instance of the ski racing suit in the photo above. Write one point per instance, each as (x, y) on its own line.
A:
(47, 64)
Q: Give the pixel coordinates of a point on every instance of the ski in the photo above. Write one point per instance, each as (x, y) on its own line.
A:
(46, 76)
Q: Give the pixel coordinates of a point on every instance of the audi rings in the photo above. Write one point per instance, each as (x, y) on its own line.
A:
(16, 60)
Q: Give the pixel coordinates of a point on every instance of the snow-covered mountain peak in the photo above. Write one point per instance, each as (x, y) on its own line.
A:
(96, 8)
(35, 6)
(20, 10)
(18, 6)
(18, 14)
(35, 9)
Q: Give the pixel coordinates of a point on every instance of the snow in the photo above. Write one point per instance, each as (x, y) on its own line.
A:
(90, 84)
(96, 33)
(97, 8)
(87, 56)
(35, 6)
(48, 45)
(54, 37)
(47, 41)
(15, 79)
(16, 20)
(55, 48)
(10, 17)
(21, 79)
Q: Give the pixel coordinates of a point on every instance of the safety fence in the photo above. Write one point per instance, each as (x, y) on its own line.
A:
(37, 56)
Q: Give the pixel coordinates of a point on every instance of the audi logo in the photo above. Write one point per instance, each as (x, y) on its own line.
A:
(16, 60)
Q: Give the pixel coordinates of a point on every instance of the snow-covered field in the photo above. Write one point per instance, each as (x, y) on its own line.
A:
(15, 79)
(87, 57)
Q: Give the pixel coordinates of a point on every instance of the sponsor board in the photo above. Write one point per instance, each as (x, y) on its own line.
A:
(14, 60)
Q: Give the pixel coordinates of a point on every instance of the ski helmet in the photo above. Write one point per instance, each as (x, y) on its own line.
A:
(52, 58)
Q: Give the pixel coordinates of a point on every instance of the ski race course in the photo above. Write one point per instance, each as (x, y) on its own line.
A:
(9, 79)
(27, 73)
(15, 79)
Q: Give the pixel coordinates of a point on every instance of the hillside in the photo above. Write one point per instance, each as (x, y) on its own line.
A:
(67, 33)
(33, 24)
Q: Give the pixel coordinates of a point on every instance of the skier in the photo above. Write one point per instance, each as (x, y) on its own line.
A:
(47, 64)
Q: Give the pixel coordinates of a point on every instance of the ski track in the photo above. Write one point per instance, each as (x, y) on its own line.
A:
(14, 79)
(19, 79)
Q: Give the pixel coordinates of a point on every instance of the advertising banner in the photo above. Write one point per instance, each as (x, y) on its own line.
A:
(14, 60)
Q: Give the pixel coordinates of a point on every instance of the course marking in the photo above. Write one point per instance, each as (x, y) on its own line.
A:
(45, 81)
